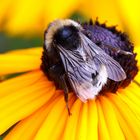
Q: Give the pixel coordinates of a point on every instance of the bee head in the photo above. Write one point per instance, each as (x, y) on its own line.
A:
(64, 33)
(67, 37)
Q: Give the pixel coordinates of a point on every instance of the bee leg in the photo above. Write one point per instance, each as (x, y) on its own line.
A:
(124, 52)
(66, 100)
(119, 51)
(66, 91)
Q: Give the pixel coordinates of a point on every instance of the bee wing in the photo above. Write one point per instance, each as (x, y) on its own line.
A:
(114, 69)
(82, 63)
(79, 74)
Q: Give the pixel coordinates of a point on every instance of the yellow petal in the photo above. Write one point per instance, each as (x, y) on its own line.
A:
(132, 94)
(132, 105)
(131, 20)
(22, 21)
(103, 131)
(137, 79)
(24, 101)
(28, 127)
(28, 51)
(60, 9)
(82, 129)
(56, 120)
(16, 63)
(4, 8)
(105, 10)
(111, 120)
(24, 81)
(128, 121)
(137, 50)
(72, 121)
(92, 132)
(60, 127)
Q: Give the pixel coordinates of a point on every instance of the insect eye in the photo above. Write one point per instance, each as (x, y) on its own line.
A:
(65, 33)
(67, 37)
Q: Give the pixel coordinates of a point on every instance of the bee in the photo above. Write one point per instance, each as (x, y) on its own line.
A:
(75, 63)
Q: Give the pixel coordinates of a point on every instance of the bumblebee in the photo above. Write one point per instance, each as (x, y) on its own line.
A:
(80, 59)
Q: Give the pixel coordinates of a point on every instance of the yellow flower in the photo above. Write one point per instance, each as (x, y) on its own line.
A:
(31, 17)
(123, 12)
(32, 103)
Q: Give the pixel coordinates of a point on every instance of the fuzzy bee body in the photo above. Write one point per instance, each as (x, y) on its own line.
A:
(75, 62)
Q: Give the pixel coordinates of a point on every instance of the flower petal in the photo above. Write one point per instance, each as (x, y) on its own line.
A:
(25, 130)
(132, 105)
(133, 95)
(16, 63)
(56, 120)
(23, 81)
(4, 10)
(21, 21)
(137, 80)
(29, 51)
(105, 10)
(82, 129)
(92, 133)
(128, 121)
(111, 120)
(60, 128)
(72, 122)
(23, 101)
(103, 132)
(137, 50)
(131, 20)
(59, 9)
(28, 127)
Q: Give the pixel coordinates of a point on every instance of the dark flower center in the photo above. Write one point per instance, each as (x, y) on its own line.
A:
(102, 36)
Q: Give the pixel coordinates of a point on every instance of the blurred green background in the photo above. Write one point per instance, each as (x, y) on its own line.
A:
(10, 43)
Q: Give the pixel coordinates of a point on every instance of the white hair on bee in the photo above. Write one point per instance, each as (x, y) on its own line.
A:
(56, 25)
(101, 80)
